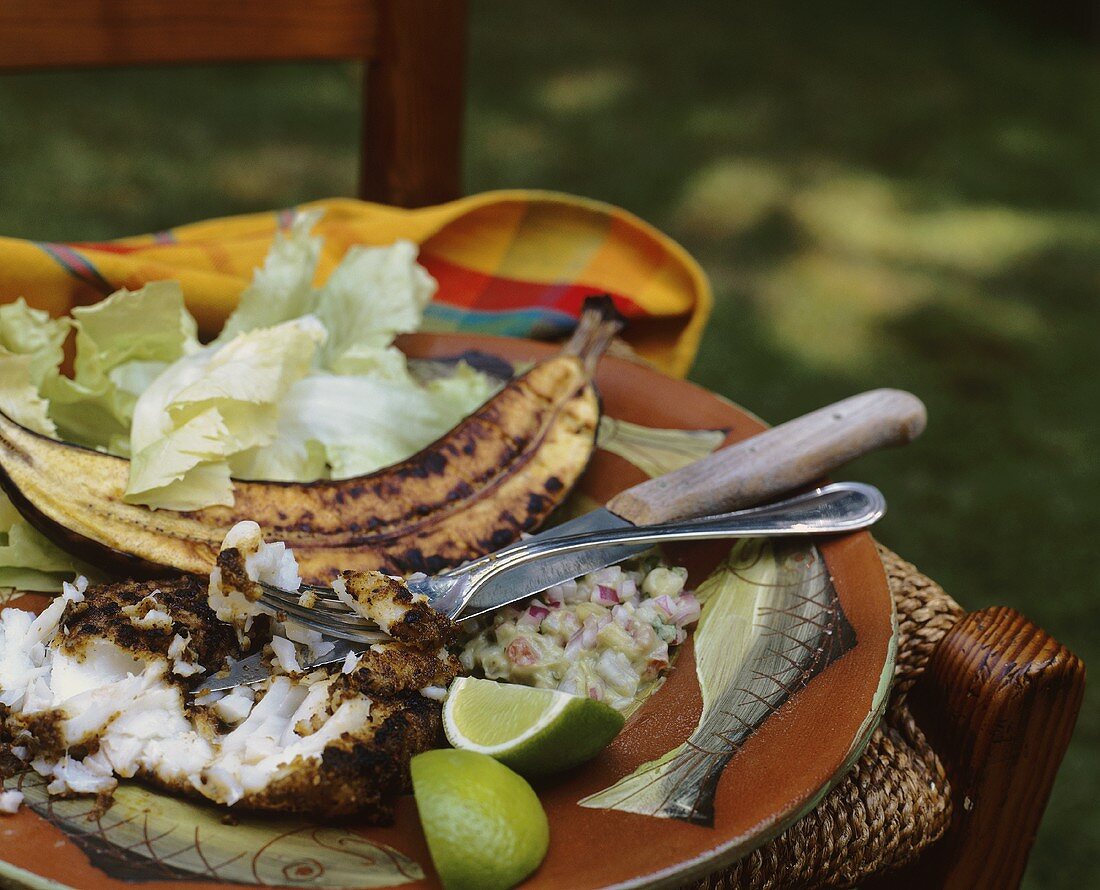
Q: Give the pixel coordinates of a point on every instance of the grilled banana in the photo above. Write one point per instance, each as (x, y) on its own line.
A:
(498, 473)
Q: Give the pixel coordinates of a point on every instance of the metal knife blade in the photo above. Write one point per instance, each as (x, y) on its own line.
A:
(749, 472)
(522, 582)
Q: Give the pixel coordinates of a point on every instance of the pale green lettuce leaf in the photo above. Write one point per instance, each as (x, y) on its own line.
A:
(29, 560)
(31, 332)
(383, 363)
(132, 378)
(343, 425)
(186, 468)
(295, 455)
(150, 420)
(31, 349)
(210, 406)
(281, 289)
(19, 398)
(122, 343)
(359, 409)
(374, 294)
(149, 324)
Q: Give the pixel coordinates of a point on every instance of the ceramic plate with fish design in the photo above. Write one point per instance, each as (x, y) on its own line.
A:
(701, 774)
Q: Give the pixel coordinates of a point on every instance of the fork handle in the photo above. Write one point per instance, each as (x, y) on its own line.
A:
(777, 460)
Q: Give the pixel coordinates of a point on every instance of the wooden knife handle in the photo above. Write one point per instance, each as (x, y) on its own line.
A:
(777, 460)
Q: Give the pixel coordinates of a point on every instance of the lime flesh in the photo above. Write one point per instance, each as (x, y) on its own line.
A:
(485, 827)
(533, 731)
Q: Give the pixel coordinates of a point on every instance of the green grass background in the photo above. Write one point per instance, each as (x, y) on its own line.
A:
(881, 196)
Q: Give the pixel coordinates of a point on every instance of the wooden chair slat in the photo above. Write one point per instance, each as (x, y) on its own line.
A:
(414, 95)
(43, 34)
(414, 103)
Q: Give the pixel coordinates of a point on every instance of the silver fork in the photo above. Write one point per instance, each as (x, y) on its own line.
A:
(836, 508)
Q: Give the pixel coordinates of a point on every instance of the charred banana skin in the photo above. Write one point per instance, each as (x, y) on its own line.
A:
(498, 473)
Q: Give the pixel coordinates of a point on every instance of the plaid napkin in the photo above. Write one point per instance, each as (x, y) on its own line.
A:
(515, 263)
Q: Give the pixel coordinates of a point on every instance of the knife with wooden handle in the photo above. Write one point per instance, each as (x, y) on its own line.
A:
(755, 470)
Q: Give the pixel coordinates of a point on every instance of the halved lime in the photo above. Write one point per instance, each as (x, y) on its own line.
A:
(534, 731)
(485, 827)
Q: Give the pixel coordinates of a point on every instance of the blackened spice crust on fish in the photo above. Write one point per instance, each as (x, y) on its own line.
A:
(101, 615)
(123, 657)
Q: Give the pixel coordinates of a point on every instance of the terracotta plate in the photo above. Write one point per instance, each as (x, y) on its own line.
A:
(738, 779)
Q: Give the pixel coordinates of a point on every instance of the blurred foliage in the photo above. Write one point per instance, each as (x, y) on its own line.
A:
(882, 195)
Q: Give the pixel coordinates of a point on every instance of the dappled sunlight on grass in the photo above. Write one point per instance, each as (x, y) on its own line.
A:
(826, 307)
(586, 91)
(856, 251)
(250, 176)
(875, 216)
(508, 143)
(725, 198)
(1026, 141)
(108, 153)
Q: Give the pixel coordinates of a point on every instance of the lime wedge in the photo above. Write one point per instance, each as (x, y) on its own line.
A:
(534, 731)
(485, 827)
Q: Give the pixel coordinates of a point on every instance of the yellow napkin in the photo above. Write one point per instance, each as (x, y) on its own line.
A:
(515, 263)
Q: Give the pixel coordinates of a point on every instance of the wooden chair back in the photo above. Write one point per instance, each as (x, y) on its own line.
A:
(413, 50)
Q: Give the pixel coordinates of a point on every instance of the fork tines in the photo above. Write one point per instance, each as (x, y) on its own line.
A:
(328, 615)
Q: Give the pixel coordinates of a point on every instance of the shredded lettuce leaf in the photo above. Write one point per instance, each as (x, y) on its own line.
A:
(281, 289)
(340, 406)
(31, 348)
(19, 398)
(374, 294)
(304, 381)
(211, 405)
(28, 560)
(357, 424)
(122, 344)
(31, 332)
